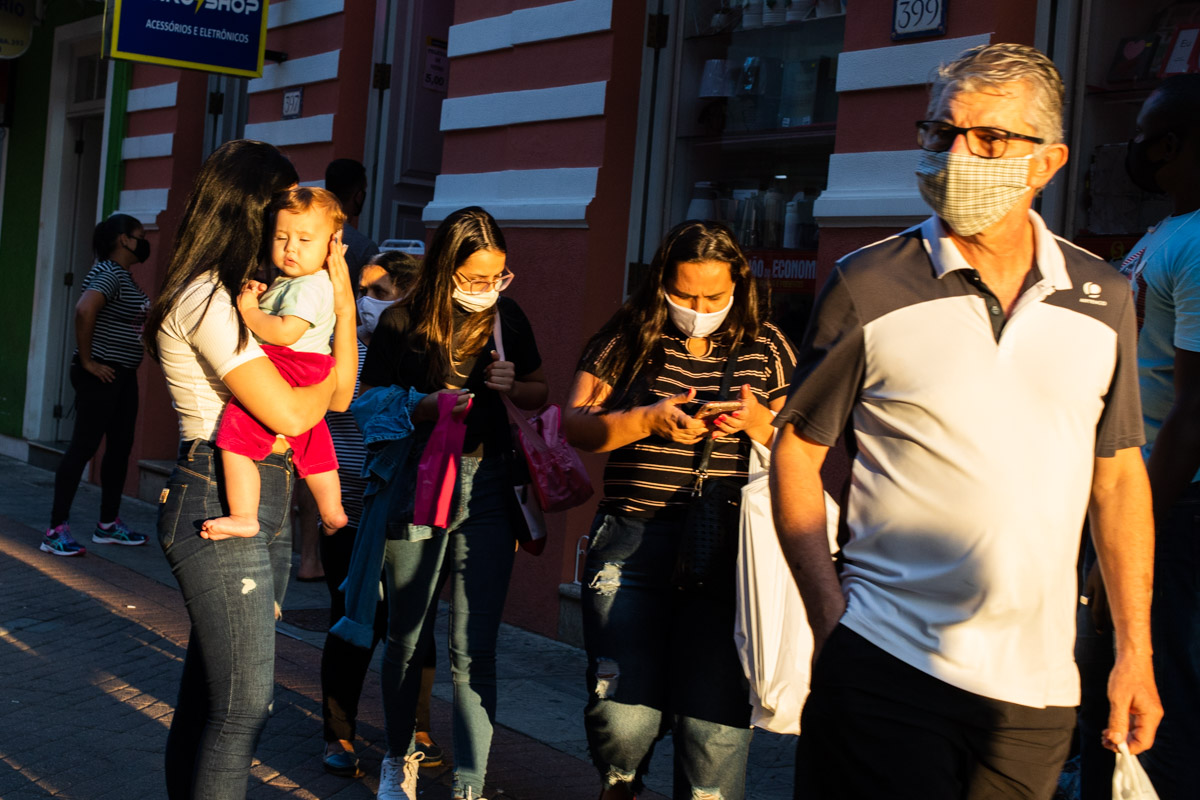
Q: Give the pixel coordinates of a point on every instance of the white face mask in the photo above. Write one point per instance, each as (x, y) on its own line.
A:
(369, 312)
(969, 192)
(475, 302)
(694, 324)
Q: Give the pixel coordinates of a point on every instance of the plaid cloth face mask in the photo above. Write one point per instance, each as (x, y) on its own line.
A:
(971, 193)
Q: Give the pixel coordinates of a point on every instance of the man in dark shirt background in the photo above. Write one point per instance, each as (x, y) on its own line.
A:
(347, 178)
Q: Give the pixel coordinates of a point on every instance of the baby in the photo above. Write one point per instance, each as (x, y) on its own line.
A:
(294, 321)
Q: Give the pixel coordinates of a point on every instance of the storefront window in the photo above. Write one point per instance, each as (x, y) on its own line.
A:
(754, 128)
(1131, 48)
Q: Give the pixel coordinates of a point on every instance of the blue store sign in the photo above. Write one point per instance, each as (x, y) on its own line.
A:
(225, 36)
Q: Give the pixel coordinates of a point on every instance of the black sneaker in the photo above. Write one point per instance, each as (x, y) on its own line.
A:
(433, 754)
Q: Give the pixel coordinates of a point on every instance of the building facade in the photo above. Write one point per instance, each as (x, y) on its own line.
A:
(587, 127)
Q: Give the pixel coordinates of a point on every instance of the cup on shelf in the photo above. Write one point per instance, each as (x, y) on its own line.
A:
(727, 211)
(830, 8)
(798, 10)
(752, 14)
(703, 204)
(774, 12)
(791, 227)
(749, 227)
(773, 217)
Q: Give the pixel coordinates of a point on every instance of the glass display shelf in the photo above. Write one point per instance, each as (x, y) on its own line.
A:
(818, 132)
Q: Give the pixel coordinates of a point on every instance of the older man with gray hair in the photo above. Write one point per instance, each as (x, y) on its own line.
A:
(984, 374)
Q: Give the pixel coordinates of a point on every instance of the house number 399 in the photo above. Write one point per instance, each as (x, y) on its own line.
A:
(918, 18)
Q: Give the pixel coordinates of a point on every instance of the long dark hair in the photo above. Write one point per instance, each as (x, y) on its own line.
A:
(627, 352)
(430, 304)
(222, 226)
(104, 238)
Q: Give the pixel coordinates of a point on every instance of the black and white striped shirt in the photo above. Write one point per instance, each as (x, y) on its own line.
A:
(652, 477)
(351, 453)
(117, 338)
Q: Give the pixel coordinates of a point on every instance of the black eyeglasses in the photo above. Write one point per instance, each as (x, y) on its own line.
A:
(938, 137)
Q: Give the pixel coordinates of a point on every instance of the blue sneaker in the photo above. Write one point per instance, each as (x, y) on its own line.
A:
(341, 762)
(57, 541)
(119, 533)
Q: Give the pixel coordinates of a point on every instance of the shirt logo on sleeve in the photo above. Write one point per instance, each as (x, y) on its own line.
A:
(1092, 292)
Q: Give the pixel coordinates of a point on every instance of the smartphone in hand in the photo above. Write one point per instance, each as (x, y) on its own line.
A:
(716, 408)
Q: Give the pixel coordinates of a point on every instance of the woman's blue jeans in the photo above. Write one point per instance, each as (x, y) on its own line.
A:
(476, 555)
(659, 659)
(233, 589)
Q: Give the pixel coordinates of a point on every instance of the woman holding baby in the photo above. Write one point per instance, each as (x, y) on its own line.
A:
(232, 576)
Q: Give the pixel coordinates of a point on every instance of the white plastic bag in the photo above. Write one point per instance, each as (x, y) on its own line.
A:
(772, 635)
(1130, 781)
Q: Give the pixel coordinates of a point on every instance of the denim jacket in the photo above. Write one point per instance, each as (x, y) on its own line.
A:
(384, 415)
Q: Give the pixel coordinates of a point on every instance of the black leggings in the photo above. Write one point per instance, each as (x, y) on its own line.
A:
(102, 411)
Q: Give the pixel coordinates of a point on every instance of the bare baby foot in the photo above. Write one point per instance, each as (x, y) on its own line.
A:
(334, 520)
(225, 527)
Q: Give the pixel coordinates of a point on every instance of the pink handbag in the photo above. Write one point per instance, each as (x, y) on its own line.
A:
(437, 471)
(559, 478)
(556, 472)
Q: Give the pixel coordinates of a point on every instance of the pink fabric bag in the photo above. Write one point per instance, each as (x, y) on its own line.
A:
(559, 479)
(437, 471)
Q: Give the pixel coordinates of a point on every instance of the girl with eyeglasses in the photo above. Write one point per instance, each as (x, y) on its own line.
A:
(438, 340)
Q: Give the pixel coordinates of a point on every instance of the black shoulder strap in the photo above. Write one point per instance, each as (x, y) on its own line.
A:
(726, 381)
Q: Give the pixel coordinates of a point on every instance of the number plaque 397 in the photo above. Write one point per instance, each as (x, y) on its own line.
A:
(912, 18)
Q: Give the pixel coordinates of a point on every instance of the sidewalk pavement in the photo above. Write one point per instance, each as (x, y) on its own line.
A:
(91, 650)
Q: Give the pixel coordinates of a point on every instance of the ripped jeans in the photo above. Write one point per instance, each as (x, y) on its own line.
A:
(660, 659)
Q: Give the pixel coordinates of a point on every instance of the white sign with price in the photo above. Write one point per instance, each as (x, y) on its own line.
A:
(911, 18)
(435, 65)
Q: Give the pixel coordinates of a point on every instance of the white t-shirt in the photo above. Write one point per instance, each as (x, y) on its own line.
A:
(1164, 268)
(197, 347)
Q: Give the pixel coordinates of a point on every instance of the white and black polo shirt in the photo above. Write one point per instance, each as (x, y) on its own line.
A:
(973, 439)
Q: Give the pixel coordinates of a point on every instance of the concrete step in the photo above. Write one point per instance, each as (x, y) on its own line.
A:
(570, 616)
(46, 455)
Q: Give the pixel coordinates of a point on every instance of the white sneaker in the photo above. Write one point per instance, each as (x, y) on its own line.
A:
(390, 775)
(398, 777)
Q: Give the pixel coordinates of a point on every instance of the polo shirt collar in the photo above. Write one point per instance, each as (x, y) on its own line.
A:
(946, 258)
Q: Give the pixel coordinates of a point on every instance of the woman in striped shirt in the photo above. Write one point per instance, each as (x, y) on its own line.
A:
(108, 330)
(660, 657)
